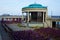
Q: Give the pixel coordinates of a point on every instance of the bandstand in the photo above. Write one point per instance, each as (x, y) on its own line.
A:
(36, 15)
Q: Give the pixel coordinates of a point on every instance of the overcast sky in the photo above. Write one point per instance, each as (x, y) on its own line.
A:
(14, 7)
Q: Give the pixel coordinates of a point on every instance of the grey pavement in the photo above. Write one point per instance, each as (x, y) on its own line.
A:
(0, 37)
(14, 27)
(3, 34)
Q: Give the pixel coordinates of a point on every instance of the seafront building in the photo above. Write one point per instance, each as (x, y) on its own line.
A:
(10, 19)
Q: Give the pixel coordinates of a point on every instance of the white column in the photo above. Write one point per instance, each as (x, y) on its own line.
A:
(28, 16)
(27, 19)
(22, 16)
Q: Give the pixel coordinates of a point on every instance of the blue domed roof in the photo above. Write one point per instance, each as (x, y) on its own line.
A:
(35, 6)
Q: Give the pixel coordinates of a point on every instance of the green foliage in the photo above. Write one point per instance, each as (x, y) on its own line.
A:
(20, 25)
(36, 27)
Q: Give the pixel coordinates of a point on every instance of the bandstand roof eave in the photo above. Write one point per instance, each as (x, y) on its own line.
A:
(35, 8)
(32, 11)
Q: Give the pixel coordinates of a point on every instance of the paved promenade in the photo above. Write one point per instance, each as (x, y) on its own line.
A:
(0, 37)
(14, 27)
(3, 34)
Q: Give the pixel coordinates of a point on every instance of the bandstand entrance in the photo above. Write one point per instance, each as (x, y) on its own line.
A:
(37, 17)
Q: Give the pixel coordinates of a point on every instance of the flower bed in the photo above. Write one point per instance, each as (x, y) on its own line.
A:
(27, 35)
(37, 34)
(49, 32)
